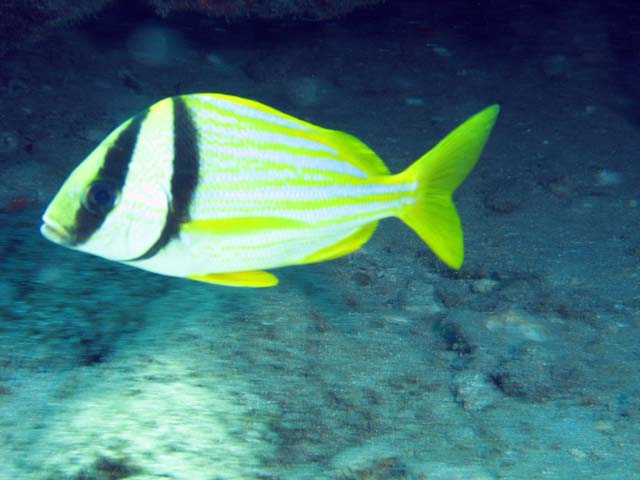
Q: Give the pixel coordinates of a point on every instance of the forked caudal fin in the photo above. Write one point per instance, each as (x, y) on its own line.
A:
(438, 174)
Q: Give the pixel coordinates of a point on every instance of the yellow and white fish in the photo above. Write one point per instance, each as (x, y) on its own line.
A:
(218, 188)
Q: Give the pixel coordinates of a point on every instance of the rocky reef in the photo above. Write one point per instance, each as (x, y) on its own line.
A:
(23, 22)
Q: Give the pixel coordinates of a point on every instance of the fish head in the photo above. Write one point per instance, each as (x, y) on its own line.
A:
(115, 216)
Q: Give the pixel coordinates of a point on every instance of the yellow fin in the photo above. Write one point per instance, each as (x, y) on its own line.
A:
(438, 174)
(255, 279)
(240, 225)
(345, 246)
(355, 151)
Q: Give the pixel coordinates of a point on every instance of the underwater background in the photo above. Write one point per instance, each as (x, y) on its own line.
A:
(381, 365)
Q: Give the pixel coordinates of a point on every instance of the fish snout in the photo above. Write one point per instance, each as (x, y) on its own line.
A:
(56, 233)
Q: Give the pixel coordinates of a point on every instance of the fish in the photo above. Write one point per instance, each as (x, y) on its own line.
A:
(219, 189)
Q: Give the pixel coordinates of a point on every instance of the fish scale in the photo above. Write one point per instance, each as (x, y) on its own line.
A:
(216, 188)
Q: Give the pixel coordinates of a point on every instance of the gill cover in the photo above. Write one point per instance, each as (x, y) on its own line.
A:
(112, 204)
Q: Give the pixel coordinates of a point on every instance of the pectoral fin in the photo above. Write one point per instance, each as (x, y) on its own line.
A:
(254, 279)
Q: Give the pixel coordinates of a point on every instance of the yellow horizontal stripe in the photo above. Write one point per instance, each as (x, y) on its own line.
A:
(293, 136)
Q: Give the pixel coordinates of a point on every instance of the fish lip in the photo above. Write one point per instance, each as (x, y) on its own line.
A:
(55, 232)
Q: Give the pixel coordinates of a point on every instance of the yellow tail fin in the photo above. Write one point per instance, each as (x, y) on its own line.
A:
(439, 173)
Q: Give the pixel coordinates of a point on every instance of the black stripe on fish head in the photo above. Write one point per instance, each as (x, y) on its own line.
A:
(186, 166)
(100, 197)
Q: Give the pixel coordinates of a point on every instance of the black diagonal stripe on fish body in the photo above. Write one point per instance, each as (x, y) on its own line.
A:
(186, 166)
(114, 170)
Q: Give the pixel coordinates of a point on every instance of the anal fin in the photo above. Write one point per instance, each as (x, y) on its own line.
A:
(345, 246)
(254, 279)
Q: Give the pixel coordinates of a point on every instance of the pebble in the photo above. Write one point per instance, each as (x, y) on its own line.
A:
(307, 91)
(8, 293)
(484, 285)
(9, 142)
(605, 427)
(95, 135)
(421, 298)
(444, 471)
(414, 102)
(474, 391)
(373, 461)
(609, 178)
(555, 66)
(517, 323)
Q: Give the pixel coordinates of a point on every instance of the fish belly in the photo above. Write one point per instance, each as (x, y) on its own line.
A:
(324, 215)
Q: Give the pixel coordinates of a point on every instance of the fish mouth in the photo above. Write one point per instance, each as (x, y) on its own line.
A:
(56, 233)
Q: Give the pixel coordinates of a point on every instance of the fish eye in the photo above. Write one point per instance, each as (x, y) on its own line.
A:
(100, 198)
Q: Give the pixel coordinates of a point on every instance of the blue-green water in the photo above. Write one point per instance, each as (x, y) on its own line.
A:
(381, 365)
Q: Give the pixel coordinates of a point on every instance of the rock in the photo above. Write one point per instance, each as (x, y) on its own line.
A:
(535, 373)
(454, 337)
(307, 91)
(452, 294)
(376, 461)
(609, 178)
(421, 298)
(518, 324)
(484, 285)
(444, 471)
(8, 293)
(157, 46)
(505, 199)
(9, 142)
(361, 278)
(475, 391)
(555, 66)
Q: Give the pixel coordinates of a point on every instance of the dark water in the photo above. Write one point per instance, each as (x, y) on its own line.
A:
(380, 365)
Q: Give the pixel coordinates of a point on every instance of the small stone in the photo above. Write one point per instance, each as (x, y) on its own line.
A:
(563, 187)
(555, 66)
(8, 293)
(361, 279)
(609, 178)
(443, 471)
(50, 275)
(454, 338)
(130, 81)
(505, 199)
(578, 454)
(484, 285)
(9, 142)
(414, 102)
(95, 135)
(421, 298)
(369, 462)
(605, 427)
(474, 391)
(307, 91)
(517, 323)
(452, 295)
(536, 373)
(440, 50)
